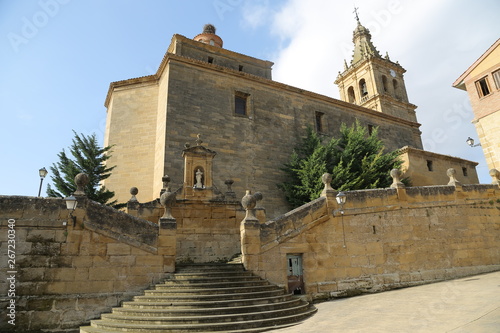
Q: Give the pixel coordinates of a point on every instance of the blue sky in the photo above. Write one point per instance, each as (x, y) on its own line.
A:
(58, 57)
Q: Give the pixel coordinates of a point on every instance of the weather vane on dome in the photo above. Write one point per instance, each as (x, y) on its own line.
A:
(356, 13)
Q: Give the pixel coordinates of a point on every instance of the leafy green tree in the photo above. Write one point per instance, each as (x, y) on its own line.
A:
(88, 157)
(355, 159)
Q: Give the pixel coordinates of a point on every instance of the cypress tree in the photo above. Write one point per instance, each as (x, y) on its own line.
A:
(355, 159)
(88, 157)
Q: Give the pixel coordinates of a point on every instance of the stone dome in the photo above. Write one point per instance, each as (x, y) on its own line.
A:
(208, 36)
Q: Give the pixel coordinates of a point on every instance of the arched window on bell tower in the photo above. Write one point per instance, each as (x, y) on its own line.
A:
(350, 95)
(384, 83)
(362, 88)
(395, 86)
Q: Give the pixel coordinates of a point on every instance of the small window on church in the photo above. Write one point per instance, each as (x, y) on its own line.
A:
(240, 103)
(319, 122)
(464, 171)
(240, 68)
(483, 87)
(429, 165)
(212, 42)
(362, 87)
(350, 95)
(384, 83)
(370, 129)
(210, 60)
(496, 78)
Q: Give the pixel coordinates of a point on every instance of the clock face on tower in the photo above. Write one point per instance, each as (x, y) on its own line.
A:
(393, 73)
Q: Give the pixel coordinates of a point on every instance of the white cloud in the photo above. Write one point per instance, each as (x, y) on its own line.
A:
(257, 13)
(432, 40)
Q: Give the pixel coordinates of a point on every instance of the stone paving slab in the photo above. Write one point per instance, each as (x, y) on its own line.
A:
(467, 305)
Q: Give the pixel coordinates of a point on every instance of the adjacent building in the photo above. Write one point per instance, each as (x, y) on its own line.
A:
(482, 82)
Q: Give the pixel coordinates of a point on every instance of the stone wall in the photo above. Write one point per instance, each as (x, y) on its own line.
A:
(393, 238)
(207, 231)
(66, 275)
(425, 167)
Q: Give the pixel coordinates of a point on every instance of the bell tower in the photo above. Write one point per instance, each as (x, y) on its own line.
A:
(373, 81)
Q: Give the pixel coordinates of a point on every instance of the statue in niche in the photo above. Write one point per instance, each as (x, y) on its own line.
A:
(199, 179)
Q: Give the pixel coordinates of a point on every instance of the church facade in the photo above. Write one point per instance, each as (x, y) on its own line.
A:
(253, 122)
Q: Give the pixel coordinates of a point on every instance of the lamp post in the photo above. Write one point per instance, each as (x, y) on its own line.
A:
(341, 199)
(42, 172)
(71, 204)
(470, 142)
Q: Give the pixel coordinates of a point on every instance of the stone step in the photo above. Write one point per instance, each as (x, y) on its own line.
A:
(208, 297)
(237, 283)
(196, 311)
(203, 327)
(208, 267)
(211, 318)
(200, 279)
(208, 304)
(211, 273)
(90, 329)
(209, 291)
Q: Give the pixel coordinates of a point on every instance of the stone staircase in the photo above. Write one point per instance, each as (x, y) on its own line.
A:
(206, 298)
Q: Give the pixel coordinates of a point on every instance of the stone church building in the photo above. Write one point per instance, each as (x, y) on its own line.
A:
(253, 122)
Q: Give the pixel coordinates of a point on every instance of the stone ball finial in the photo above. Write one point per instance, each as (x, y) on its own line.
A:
(198, 140)
(453, 180)
(495, 175)
(326, 179)
(229, 183)
(249, 202)
(209, 29)
(167, 199)
(134, 191)
(396, 179)
(166, 180)
(81, 180)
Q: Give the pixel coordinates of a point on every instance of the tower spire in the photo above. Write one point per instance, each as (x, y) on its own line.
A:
(362, 39)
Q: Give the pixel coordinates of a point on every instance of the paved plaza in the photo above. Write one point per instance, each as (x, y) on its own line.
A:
(467, 305)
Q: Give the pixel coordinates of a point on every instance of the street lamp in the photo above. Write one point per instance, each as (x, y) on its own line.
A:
(341, 199)
(71, 204)
(42, 172)
(470, 142)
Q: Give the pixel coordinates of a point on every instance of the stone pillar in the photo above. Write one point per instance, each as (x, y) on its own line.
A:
(167, 238)
(250, 232)
(167, 244)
